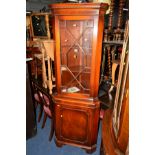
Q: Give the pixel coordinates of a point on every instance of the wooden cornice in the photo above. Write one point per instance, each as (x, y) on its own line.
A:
(79, 6)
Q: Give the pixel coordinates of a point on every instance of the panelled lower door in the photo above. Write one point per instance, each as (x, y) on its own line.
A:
(73, 124)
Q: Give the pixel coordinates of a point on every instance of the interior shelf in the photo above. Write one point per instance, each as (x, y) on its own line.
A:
(82, 69)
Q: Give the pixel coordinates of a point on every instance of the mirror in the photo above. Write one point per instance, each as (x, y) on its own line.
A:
(40, 25)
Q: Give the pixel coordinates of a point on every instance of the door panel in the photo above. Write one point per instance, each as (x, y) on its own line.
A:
(74, 124)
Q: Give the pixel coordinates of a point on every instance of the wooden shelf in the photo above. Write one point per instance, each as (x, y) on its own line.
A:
(82, 69)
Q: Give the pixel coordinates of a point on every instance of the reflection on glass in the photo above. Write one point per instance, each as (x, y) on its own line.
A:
(76, 51)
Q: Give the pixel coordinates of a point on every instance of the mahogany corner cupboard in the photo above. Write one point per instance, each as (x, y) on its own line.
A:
(78, 35)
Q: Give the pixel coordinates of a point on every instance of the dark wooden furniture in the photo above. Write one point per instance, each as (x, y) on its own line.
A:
(115, 126)
(42, 96)
(78, 35)
(30, 53)
(31, 128)
(111, 144)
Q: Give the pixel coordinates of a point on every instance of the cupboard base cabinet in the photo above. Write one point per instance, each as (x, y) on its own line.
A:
(78, 36)
(76, 123)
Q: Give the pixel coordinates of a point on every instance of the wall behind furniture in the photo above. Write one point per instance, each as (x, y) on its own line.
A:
(37, 5)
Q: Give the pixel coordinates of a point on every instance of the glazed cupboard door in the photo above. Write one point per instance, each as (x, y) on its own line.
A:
(75, 53)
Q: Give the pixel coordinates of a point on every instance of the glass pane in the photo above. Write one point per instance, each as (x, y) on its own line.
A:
(76, 51)
(39, 25)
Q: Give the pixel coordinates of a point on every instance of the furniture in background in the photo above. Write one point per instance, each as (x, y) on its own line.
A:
(31, 128)
(31, 51)
(44, 61)
(111, 144)
(78, 36)
(42, 96)
(40, 25)
(112, 51)
(115, 81)
(115, 125)
(47, 48)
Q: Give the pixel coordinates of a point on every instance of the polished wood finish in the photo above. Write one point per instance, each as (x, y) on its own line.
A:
(120, 14)
(118, 31)
(112, 4)
(107, 37)
(107, 144)
(123, 134)
(76, 122)
(78, 35)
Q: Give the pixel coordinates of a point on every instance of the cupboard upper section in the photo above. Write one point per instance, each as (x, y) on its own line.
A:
(78, 34)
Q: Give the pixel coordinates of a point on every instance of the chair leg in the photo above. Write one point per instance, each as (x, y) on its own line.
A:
(52, 130)
(40, 113)
(36, 69)
(44, 120)
(36, 104)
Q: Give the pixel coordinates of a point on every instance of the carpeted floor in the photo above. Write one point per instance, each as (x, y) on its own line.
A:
(40, 145)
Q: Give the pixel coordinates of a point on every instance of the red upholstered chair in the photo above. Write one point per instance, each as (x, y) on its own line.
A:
(101, 113)
(37, 100)
(45, 100)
